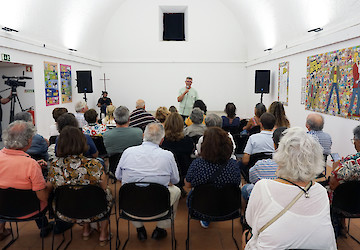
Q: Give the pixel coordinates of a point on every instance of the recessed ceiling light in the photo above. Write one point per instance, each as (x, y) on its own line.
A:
(316, 30)
(9, 29)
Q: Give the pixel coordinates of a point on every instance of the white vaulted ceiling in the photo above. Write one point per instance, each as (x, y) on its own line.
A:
(81, 24)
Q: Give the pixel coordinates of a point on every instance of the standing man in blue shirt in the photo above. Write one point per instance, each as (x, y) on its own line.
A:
(187, 97)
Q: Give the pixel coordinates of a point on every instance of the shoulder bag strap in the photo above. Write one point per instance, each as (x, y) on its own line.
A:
(285, 209)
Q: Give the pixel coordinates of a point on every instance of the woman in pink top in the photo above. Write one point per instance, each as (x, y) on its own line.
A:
(17, 139)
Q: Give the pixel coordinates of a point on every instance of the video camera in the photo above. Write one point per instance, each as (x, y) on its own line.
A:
(14, 81)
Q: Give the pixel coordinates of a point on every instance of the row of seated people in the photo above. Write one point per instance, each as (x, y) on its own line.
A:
(125, 111)
(148, 162)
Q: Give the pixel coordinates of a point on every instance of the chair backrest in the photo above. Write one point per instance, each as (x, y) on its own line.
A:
(347, 197)
(52, 139)
(254, 130)
(99, 143)
(16, 203)
(209, 200)
(80, 201)
(258, 156)
(144, 199)
(113, 162)
(195, 138)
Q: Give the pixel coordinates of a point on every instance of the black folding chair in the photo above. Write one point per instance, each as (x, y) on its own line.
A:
(80, 202)
(99, 143)
(253, 159)
(346, 202)
(210, 203)
(146, 201)
(15, 203)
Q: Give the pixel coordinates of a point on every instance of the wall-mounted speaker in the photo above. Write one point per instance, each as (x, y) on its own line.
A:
(262, 81)
(84, 81)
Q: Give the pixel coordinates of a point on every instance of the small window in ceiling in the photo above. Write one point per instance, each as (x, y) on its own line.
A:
(173, 23)
(174, 28)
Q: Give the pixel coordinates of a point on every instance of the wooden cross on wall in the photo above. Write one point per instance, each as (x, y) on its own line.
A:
(104, 79)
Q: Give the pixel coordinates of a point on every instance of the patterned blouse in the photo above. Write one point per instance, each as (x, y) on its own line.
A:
(349, 169)
(77, 170)
(94, 129)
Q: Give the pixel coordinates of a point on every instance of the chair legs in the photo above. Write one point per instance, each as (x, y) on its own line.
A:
(350, 234)
(232, 234)
(125, 243)
(13, 239)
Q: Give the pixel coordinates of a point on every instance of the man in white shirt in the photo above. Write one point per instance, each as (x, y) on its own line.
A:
(80, 108)
(187, 97)
(149, 163)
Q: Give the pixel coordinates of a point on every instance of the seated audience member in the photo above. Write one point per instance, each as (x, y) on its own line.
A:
(315, 125)
(109, 120)
(93, 128)
(139, 118)
(120, 138)
(68, 119)
(215, 155)
(230, 122)
(56, 113)
(39, 146)
(213, 120)
(347, 169)
(181, 146)
(18, 170)
(261, 142)
(255, 121)
(80, 108)
(71, 167)
(173, 109)
(197, 129)
(263, 169)
(161, 114)
(197, 104)
(277, 109)
(306, 224)
(149, 163)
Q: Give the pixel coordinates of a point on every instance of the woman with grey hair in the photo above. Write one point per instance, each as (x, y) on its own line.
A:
(39, 145)
(197, 129)
(302, 205)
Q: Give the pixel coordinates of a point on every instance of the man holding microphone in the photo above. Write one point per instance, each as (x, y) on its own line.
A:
(187, 97)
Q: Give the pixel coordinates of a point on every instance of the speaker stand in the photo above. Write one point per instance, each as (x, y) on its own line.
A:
(85, 95)
(261, 98)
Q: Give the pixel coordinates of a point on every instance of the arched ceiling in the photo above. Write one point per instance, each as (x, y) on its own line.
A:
(79, 24)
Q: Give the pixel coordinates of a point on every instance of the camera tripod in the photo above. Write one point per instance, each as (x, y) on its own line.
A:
(14, 99)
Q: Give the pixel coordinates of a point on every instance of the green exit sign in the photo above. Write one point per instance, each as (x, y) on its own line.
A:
(5, 57)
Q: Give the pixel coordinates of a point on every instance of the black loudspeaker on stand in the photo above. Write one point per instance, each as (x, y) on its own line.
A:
(84, 82)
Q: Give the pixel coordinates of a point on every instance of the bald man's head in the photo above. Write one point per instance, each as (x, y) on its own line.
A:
(140, 104)
(315, 122)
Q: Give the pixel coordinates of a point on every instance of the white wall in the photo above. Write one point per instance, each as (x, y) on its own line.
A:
(158, 83)
(139, 65)
(340, 129)
(133, 33)
(31, 55)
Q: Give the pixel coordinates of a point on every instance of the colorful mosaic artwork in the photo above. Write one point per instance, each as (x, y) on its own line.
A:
(333, 83)
(51, 83)
(65, 76)
(283, 83)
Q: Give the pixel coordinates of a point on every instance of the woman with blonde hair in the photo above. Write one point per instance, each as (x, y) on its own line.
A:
(109, 120)
(161, 114)
(277, 109)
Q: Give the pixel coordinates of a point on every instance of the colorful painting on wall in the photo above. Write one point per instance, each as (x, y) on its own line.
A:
(65, 76)
(51, 83)
(283, 83)
(333, 83)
